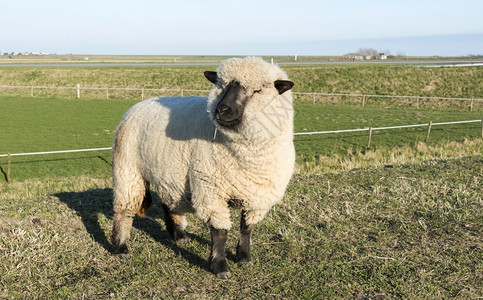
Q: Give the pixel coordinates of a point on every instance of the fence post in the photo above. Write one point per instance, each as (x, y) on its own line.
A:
(142, 94)
(370, 136)
(417, 105)
(471, 105)
(9, 160)
(182, 93)
(363, 100)
(78, 91)
(32, 91)
(429, 130)
(107, 93)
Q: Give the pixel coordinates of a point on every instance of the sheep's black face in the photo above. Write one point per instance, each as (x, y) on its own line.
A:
(231, 104)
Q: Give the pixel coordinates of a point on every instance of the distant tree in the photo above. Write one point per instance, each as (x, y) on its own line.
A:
(387, 52)
(368, 51)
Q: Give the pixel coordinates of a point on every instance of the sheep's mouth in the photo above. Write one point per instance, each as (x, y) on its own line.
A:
(226, 120)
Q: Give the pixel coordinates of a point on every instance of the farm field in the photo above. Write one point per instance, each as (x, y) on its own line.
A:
(42, 124)
(409, 231)
(402, 219)
(374, 80)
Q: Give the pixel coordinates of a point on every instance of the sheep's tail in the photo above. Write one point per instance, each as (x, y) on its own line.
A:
(147, 200)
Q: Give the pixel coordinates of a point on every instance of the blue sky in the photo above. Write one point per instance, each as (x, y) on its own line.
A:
(248, 27)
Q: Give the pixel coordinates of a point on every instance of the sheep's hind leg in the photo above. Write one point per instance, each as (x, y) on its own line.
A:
(127, 201)
(120, 233)
(243, 247)
(175, 225)
(217, 260)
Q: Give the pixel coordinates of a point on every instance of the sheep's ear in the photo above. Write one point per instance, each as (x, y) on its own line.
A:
(211, 76)
(283, 85)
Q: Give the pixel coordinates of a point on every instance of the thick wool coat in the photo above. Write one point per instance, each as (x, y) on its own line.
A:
(197, 165)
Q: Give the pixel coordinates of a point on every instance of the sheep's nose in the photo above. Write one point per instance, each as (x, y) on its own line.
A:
(227, 115)
(224, 109)
(225, 112)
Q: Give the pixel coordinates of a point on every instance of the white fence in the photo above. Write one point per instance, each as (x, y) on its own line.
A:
(369, 129)
(77, 92)
(389, 127)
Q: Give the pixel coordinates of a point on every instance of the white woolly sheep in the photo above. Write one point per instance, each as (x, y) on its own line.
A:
(233, 149)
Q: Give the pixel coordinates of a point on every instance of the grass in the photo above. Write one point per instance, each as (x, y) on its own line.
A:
(322, 116)
(389, 80)
(402, 219)
(65, 124)
(373, 80)
(410, 231)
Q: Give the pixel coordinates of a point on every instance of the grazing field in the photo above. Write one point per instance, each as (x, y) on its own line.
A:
(461, 82)
(409, 231)
(41, 124)
(402, 219)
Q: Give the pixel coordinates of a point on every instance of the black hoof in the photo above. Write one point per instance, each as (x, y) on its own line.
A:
(223, 275)
(220, 269)
(242, 257)
(121, 250)
(124, 256)
(180, 236)
(242, 263)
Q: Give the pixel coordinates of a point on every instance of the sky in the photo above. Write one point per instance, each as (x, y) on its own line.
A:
(247, 27)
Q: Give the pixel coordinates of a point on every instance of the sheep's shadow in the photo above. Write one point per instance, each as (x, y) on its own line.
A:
(90, 204)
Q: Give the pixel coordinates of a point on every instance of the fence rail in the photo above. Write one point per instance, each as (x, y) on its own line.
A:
(388, 127)
(78, 89)
(55, 152)
(370, 129)
(295, 134)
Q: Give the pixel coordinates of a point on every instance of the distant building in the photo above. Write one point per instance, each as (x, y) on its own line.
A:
(23, 53)
(359, 56)
(353, 56)
(381, 56)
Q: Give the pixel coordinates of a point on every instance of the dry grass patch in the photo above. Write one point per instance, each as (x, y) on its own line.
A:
(412, 230)
(390, 157)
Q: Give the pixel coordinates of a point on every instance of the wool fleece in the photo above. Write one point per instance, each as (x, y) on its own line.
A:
(176, 146)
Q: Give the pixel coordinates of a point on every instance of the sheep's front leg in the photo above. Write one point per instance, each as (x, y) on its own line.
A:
(243, 247)
(217, 260)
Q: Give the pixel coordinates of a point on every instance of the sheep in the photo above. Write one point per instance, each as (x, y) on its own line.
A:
(202, 155)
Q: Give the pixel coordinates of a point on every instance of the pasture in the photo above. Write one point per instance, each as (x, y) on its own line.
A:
(45, 124)
(402, 219)
(410, 231)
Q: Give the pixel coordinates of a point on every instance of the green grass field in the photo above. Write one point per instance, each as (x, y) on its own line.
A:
(403, 219)
(42, 124)
(373, 80)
